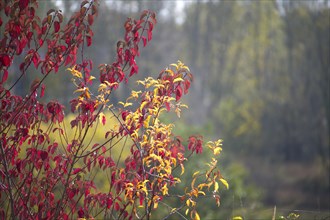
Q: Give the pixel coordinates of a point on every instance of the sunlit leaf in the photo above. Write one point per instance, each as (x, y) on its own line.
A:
(216, 186)
(217, 150)
(175, 65)
(125, 104)
(182, 169)
(177, 80)
(196, 217)
(102, 86)
(102, 118)
(195, 174)
(80, 90)
(224, 182)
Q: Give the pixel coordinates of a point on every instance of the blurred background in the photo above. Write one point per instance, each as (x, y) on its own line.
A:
(261, 84)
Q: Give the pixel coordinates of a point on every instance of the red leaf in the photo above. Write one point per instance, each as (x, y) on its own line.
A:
(65, 216)
(178, 93)
(18, 165)
(89, 163)
(41, 139)
(109, 203)
(76, 170)
(168, 107)
(23, 4)
(134, 70)
(117, 207)
(128, 26)
(192, 142)
(101, 161)
(21, 66)
(89, 41)
(151, 26)
(51, 196)
(103, 120)
(43, 155)
(5, 60)
(4, 76)
(149, 35)
(68, 60)
(70, 194)
(144, 40)
(32, 12)
(90, 19)
(87, 192)
(186, 86)
(141, 200)
(56, 26)
(36, 59)
(124, 115)
(199, 146)
(95, 145)
(44, 29)
(81, 213)
(42, 90)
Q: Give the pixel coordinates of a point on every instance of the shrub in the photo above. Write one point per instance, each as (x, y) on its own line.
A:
(49, 170)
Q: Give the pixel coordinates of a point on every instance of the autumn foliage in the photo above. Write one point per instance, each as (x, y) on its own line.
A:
(47, 169)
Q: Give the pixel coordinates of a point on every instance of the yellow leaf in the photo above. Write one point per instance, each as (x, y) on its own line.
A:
(164, 190)
(102, 86)
(146, 121)
(187, 211)
(170, 72)
(216, 186)
(173, 64)
(196, 216)
(182, 169)
(156, 92)
(237, 218)
(125, 104)
(217, 150)
(197, 172)
(155, 205)
(187, 68)
(111, 84)
(135, 94)
(80, 90)
(201, 192)
(75, 72)
(193, 183)
(101, 115)
(91, 78)
(178, 80)
(143, 104)
(87, 94)
(218, 142)
(178, 112)
(224, 182)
